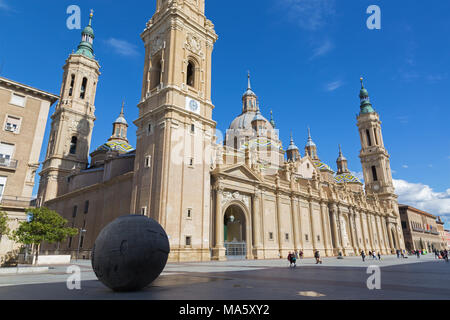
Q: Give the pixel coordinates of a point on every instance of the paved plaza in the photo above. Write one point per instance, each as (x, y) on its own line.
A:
(412, 278)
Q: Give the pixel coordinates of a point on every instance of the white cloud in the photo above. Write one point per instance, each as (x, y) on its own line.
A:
(123, 47)
(405, 166)
(310, 14)
(332, 86)
(4, 5)
(322, 49)
(423, 197)
(359, 175)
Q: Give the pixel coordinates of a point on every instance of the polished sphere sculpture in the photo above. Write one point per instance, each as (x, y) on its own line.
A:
(130, 253)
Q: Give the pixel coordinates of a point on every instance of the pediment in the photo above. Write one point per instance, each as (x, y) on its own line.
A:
(239, 171)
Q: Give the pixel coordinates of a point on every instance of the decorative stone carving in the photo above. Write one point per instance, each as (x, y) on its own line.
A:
(156, 44)
(194, 44)
(231, 196)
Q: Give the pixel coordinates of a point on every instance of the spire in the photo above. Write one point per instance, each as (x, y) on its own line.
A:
(249, 91)
(121, 111)
(120, 127)
(87, 40)
(310, 141)
(341, 155)
(366, 106)
(292, 152)
(121, 119)
(272, 122)
(292, 146)
(342, 162)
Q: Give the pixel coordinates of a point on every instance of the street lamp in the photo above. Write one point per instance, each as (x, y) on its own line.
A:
(82, 231)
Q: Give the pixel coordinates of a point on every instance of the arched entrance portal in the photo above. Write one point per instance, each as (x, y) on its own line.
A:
(235, 233)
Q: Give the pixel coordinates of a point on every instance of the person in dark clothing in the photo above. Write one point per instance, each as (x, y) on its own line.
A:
(363, 256)
(379, 256)
(317, 256)
(398, 254)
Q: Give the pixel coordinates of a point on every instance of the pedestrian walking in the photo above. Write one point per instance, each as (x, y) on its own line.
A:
(363, 256)
(317, 256)
(379, 256)
(301, 254)
(398, 254)
(289, 257)
(296, 254)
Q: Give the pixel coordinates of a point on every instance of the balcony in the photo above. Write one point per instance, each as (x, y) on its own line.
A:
(418, 229)
(8, 163)
(15, 202)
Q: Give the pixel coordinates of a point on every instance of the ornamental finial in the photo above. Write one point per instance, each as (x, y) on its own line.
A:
(91, 15)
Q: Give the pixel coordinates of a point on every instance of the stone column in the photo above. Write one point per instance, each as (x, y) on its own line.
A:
(353, 230)
(363, 232)
(256, 227)
(219, 250)
(344, 248)
(391, 242)
(333, 213)
(295, 222)
(313, 232)
(369, 228)
(280, 233)
(326, 230)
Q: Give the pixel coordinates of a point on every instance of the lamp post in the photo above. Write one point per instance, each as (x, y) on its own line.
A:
(82, 231)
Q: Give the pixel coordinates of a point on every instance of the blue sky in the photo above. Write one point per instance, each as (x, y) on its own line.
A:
(305, 57)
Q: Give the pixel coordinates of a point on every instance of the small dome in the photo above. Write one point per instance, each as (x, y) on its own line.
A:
(88, 30)
(121, 120)
(259, 117)
(292, 147)
(244, 121)
(249, 92)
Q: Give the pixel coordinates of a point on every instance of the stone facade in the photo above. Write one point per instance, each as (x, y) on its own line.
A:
(420, 229)
(239, 199)
(23, 117)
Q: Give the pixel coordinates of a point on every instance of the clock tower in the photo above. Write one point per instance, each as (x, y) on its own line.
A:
(175, 127)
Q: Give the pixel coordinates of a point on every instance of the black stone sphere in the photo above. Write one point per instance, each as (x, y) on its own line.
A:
(130, 253)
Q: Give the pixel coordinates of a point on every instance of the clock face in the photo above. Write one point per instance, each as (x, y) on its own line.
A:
(376, 187)
(193, 105)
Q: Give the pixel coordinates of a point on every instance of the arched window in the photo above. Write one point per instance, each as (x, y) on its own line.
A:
(156, 74)
(73, 145)
(369, 141)
(83, 88)
(72, 82)
(376, 136)
(190, 79)
(374, 173)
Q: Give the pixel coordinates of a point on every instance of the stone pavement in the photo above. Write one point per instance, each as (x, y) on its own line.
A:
(411, 278)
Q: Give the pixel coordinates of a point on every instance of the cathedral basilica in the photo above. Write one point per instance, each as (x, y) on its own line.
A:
(245, 198)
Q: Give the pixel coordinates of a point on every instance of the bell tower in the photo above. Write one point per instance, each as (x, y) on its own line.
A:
(374, 156)
(376, 167)
(73, 120)
(175, 127)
